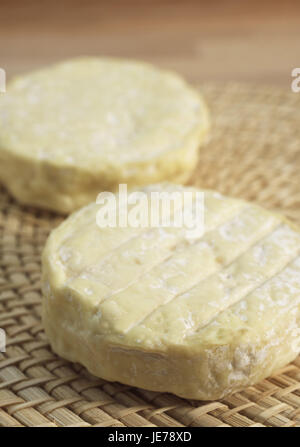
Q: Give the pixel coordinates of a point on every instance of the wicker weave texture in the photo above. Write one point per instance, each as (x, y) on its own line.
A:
(254, 153)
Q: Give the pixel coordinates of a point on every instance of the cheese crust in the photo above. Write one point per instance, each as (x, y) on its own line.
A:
(150, 308)
(83, 126)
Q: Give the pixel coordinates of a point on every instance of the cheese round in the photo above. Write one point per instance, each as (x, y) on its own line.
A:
(83, 126)
(151, 307)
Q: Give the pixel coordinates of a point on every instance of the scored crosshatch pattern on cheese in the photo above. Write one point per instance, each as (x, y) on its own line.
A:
(108, 241)
(165, 283)
(239, 278)
(142, 249)
(249, 156)
(139, 333)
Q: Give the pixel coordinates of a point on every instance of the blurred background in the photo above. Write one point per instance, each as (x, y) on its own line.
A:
(257, 41)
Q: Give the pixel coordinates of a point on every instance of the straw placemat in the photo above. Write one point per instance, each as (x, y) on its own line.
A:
(254, 153)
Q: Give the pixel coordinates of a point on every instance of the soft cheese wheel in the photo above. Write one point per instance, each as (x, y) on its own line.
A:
(69, 131)
(152, 308)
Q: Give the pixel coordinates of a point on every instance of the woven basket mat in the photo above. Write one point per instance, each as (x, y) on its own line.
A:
(254, 153)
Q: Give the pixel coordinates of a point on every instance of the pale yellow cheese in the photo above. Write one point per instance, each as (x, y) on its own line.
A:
(84, 126)
(151, 308)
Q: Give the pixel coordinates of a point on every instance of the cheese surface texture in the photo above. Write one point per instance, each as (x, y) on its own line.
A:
(83, 126)
(152, 308)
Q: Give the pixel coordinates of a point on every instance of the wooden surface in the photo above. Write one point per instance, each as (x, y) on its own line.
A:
(256, 41)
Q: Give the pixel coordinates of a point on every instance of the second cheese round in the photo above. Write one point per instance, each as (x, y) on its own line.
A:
(70, 131)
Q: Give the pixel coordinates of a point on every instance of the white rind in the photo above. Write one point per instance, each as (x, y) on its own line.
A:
(70, 131)
(233, 320)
